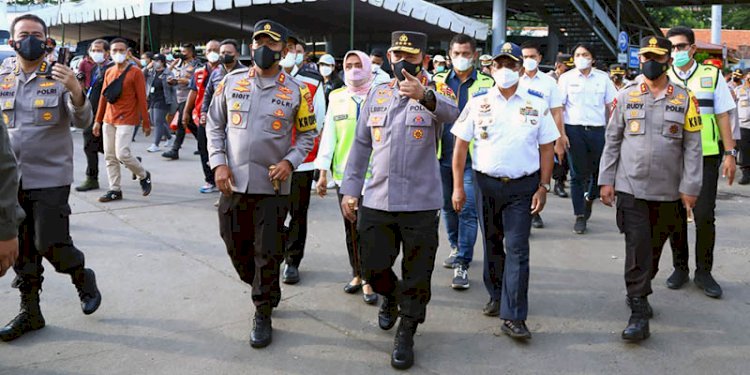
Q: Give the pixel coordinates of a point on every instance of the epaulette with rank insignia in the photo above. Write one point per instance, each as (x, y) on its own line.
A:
(479, 93)
(536, 93)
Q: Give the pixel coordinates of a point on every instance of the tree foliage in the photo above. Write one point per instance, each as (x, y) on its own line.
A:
(734, 17)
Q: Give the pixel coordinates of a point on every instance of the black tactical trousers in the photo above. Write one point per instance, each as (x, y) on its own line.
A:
(382, 235)
(180, 137)
(704, 215)
(45, 233)
(92, 146)
(647, 225)
(298, 205)
(250, 226)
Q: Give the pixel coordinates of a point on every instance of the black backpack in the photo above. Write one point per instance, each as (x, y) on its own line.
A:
(113, 91)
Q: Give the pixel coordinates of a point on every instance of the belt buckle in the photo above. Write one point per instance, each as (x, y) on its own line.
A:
(505, 179)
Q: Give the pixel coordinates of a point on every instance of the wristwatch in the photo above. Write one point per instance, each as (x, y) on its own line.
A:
(547, 187)
(732, 152)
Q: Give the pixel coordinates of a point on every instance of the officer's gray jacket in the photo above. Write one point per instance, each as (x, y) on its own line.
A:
(249, 127)
(213, 81)
(653, 146)
(743, 106)
(11, 213)
(39, 112)
(401, 135)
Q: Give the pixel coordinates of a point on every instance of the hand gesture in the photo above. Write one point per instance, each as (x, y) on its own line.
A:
(66, 76)
(349, 213)
(607, 195)
(224, 179)
(411, 87)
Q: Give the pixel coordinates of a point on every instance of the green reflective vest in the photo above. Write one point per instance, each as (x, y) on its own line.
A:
(344, 110)
(483, 82)
(702, 83)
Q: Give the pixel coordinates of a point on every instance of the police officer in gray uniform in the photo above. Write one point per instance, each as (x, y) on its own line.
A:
(11, 213)
(652, 159)
(249, 129)
(38, 103)
(399, 125)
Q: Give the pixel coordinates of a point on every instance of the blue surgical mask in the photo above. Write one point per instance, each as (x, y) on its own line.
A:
(681, 58)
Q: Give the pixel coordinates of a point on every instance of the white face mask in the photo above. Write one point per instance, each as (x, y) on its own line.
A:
(505, 78)
(530, 65)
(582, 63)
(326, 71)
(375, 67)
(298, 59)
(212, 57)
(98, 57)
(461, 64)
(118, 58)
(288, 60)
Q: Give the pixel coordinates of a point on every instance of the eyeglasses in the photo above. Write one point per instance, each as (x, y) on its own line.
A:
(681, 46)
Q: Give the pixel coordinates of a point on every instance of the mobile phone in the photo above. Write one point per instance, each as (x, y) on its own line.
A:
(62, 56)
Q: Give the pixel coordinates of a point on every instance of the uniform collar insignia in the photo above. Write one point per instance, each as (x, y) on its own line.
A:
(282, 78)
(670, 90)
(644, 88)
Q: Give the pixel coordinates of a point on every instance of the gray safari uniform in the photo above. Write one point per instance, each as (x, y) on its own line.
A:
(652, 154)
(38, 112)
(249, 128)
(402, 199)
(743, 116)
(11, 213)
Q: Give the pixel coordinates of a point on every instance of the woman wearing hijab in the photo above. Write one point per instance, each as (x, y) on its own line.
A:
(337, 139)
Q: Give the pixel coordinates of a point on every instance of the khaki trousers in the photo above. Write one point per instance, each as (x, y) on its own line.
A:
(117, 140)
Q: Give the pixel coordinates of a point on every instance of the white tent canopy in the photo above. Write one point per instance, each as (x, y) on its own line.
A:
(114, 10)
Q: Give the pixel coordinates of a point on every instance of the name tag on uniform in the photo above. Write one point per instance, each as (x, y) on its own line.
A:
(744, 103)
(340, 117)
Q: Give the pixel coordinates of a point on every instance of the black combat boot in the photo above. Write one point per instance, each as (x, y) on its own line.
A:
(402, 357)
(85, 282)
(261, 335)
(388, 313)
(28, 319)
(637, 329)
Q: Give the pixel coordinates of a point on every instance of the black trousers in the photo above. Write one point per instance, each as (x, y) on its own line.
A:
(181, 129)
(382, 235)
(647, 225)
(92, 146)
(298, 205)
(250, 226)
(45, 233)
(744, 144)
(208, 174)
(704, 215)
(352, 241)
(560, 170)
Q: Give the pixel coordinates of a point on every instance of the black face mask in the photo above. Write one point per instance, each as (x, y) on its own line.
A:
(30, 48)
(264, 57)
(410, 68)
(228, 59)
(178, 55)
(653, 69)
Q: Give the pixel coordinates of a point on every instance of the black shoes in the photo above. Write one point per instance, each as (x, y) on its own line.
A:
(388, 313)
(560, 190)
(352, 288)
(262, 333)
(705, 281)
(638, 328)
(580, 225)
(492, 308)
(537, 222)
(291, 274)
(89, 184)
(589, 206)
(370, 299)
(88, 292)
(516, 329)
(28, 319)
(745, 179)
(402, 357)
(146, 184)
(677, 279)
(110, 196)
(648, 310)
(171, 155)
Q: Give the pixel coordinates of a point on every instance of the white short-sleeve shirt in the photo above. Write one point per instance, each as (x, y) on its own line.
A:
(586, 98)
(506, 133)
(545, 85)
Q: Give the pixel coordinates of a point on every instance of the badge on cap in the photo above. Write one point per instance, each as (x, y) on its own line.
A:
(483, 135)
